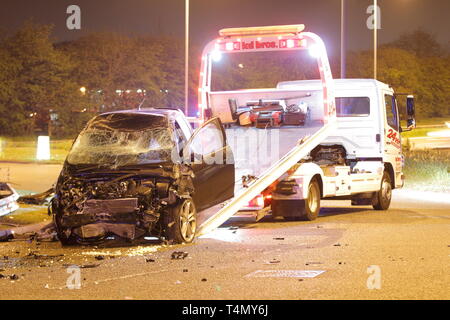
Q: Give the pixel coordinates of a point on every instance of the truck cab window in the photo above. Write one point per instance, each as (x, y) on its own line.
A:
(391, 111)
(352, 106)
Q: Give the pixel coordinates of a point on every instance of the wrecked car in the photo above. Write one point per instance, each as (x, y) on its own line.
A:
(137, 173)
(8, 199)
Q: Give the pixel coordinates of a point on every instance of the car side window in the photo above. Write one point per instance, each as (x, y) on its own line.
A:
(208, 140)
(391, 111)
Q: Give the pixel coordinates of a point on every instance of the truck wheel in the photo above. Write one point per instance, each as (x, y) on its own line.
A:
(181, 222)
(312, 203)
(382, 198)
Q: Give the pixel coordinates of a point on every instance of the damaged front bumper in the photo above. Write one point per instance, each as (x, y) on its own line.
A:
(101, 217)
(94, 206)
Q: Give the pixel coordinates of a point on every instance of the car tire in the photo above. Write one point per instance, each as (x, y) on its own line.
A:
(53, 210)
(61, 234)
(382, 198)
(181, 222)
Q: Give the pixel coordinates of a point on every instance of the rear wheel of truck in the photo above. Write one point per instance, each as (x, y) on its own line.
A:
(382, 198)
(310, 207)
(312, 203)
(181, 222)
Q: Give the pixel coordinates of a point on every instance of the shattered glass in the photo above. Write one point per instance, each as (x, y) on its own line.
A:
(117, 140)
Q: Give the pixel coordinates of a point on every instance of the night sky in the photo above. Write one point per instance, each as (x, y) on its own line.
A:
(208, 16)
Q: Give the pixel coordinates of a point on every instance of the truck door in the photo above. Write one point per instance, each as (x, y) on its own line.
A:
(392, 142)
(213, 165)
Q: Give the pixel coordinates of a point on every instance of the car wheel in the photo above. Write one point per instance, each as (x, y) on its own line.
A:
(382, 198)
(53, 210)
(61, 233)
(181, 222)
(312, 203)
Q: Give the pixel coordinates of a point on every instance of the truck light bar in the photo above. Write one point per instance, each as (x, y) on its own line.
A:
(269, 30)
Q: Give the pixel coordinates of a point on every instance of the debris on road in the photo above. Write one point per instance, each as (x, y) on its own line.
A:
(35, 255)
(278, 238)
(99, 257)
(204, 280)
(14, 277)
(89, 266)
(149, 260)
(308, 263)
(178, 255)
(6, 235)
(38, 198)
(273, 261)
(39, 232)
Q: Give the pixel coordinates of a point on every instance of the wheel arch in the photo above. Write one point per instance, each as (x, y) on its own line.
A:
(318, 177)
(390, 170)
(307, 172)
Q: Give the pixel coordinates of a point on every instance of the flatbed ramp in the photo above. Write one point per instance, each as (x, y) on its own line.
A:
(274, 172)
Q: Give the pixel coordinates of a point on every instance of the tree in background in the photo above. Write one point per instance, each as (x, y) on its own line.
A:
(113, 67)
(415, 63)
(38, 80)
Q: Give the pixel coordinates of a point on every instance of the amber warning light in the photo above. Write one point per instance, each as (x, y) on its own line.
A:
(256, 31)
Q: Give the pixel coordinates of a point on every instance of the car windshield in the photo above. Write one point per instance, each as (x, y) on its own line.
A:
(122, 139)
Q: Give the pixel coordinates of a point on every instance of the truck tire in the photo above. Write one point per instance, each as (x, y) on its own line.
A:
(310, 207)
(181, 222)
(312, 203)
(382, 198)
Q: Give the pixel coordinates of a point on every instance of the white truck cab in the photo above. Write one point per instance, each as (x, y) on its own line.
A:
(361, 160)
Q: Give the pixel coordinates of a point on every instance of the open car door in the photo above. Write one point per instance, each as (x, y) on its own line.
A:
(212, 161)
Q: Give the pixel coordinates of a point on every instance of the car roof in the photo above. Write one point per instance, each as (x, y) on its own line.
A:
(162, 112)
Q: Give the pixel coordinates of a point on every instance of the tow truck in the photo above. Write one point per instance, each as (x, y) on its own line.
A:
(345, 144)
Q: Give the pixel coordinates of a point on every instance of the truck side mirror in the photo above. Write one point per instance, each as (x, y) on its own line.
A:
(411, 112)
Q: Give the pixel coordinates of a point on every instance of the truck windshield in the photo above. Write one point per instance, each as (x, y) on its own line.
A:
(121, 139)
(256, 70)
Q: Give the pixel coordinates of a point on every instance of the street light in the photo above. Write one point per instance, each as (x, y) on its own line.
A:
(83, 90)
(186, 60)
(375, 29)
(343, 39)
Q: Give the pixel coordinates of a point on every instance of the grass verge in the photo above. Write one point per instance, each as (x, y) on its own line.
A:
(428, 170)
(24, 150)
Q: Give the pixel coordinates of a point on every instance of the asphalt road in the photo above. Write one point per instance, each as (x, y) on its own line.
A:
(407, 246)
